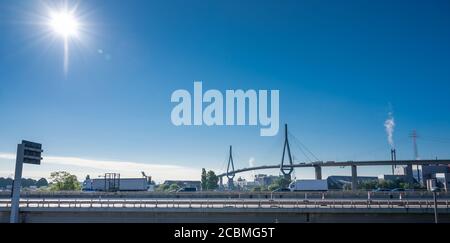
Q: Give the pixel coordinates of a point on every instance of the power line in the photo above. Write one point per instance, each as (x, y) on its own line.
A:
(435, 139)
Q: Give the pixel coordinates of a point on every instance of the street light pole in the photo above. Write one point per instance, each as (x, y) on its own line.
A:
(15, 200)
(434, 190)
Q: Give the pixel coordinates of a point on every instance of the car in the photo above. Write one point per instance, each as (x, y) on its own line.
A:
(282, 190)
(187, 189)
(398, 190)
(435, 189)
(381, 190)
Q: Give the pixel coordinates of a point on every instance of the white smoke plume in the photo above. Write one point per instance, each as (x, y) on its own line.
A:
(389, 124)
(251, 163)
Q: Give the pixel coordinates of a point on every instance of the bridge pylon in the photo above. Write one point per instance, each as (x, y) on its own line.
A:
(230, 170)
(286, 170)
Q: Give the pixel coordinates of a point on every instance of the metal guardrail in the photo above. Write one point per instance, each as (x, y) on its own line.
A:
(425, 195)
(232, 203)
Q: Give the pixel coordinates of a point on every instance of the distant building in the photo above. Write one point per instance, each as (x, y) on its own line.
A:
(339, 182)
(265, 180)
(251, 184)
(443, 181)
(185, 184)
(241, 183)
(427, 172)
(406, 172)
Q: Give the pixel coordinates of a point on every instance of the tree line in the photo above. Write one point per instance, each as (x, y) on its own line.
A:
(60, 181)
(26, 183)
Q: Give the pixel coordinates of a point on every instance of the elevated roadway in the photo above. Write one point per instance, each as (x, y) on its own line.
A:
(344, 164)
(353, 164)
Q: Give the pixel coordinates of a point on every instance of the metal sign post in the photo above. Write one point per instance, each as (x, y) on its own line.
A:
(29, 153)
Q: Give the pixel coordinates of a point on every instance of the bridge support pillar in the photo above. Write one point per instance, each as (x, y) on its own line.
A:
(354, 178)
(288, 177)
(318, 172)
(221, 183)
(409, 174)
(230, 184)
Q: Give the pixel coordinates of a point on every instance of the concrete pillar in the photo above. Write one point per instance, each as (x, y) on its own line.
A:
(318, 172)
(230, 184)
(288, 177)
(221, 182)
(409, 173)
(354, 178)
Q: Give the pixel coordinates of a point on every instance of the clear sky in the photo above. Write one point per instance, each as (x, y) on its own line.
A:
(340, 66)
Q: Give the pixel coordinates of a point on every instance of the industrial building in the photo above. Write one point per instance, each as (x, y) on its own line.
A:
(265, 180)
(443, 181)
(427, 172)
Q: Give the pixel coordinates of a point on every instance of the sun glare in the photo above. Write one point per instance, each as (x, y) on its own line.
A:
(64, 24)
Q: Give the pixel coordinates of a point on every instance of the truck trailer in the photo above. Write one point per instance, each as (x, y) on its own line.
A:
(309, 185)
(125, 184)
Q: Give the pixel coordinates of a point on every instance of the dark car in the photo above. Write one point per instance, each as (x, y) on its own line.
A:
(282, 190)
(188, 189)
(398, 190)
(381, 190)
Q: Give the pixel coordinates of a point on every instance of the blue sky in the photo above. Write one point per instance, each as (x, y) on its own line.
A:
(338, 66)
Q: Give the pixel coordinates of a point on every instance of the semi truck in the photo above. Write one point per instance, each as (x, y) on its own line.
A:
(308, 185)
(122, 184)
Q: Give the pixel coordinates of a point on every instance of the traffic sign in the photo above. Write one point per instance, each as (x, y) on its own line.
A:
(32, 152)
(27, 153)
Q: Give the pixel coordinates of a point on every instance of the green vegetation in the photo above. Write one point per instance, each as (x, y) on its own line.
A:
(173, 187)
(260, 189)
(167, 188)
(209, 180)
(369, 185)
(279, 183)
(26, 183)
(42, 183)
(204, 180)
(64, 181)
(212, 180)
(162, 188)
(387, 184)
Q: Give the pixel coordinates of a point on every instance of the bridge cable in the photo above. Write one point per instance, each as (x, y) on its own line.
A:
(301, 145)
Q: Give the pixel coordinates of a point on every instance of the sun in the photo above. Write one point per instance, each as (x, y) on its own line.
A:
(64, 23)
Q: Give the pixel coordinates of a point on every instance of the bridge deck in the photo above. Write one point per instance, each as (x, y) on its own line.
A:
(345, 164)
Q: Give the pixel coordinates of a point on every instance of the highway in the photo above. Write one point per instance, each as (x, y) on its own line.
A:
(225, 203)
(226, 211)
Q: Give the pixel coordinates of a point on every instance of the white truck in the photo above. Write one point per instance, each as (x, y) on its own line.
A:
(125, 184)
(308, 185)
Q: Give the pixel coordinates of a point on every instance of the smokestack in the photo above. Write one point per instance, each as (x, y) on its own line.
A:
(394, 159)
(393, 155)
